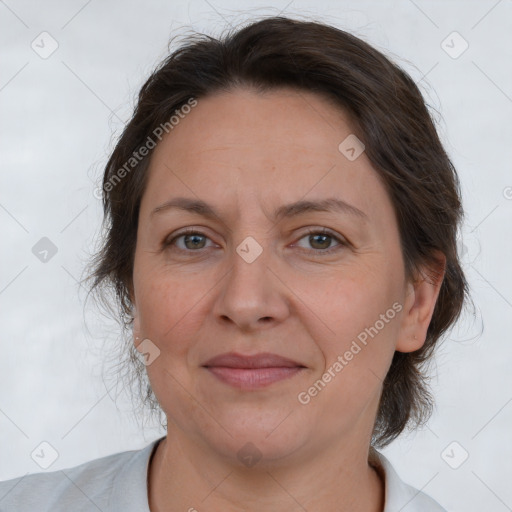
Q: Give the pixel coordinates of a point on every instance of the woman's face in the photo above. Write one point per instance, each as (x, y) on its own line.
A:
(318, 285)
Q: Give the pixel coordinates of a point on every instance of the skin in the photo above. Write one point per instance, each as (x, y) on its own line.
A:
(246, 154)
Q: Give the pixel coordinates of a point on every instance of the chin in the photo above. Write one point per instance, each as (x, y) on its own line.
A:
(262, 444)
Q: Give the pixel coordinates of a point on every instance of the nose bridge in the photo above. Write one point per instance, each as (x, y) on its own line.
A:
(250, 262)
(251, 293)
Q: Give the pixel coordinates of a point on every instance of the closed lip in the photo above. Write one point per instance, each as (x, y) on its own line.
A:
(262, 360)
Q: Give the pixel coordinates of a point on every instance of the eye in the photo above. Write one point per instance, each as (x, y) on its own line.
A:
(321, 241)
(189, 240)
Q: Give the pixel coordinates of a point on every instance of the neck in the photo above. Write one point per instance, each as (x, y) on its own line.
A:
(185, 476)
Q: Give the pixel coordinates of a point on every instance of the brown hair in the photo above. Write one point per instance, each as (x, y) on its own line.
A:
(389, 116)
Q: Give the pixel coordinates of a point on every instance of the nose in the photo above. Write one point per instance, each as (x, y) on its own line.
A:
(252, 295)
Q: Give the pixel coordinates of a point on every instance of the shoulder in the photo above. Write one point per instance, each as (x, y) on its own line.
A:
(399, 495)
(93, 485)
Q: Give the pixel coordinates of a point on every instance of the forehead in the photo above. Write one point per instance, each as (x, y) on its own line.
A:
(275, 147)
(299, 123)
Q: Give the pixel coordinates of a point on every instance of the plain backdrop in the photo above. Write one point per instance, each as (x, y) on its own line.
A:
(60, 115)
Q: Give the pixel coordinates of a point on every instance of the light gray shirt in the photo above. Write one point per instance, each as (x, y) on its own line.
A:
(118, 483)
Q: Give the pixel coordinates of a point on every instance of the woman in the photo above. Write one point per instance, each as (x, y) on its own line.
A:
(282, 224)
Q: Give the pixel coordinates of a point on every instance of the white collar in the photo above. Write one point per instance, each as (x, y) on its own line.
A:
(399, 496)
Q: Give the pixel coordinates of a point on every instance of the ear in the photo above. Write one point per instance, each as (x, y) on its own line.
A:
(420, 300)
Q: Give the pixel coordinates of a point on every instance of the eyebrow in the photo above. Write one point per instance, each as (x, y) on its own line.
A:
(202, 208)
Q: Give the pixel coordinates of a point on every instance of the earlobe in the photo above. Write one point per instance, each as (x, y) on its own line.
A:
(420, 301)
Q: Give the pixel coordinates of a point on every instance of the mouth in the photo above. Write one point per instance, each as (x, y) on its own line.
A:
(252, 371)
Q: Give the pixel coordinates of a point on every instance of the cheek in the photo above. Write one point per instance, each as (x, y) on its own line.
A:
(173, 306)
(350, 302)
(360, 314)
(166, 306)
(161, 301)
(169, 310)
(364, 312)
(357, 356)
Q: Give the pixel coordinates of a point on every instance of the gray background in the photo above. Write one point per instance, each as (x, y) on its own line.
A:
(60, 116)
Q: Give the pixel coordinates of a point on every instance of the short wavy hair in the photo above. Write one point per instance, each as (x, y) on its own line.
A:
(388, 114)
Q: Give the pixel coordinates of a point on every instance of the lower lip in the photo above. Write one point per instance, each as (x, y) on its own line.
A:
(255, 378)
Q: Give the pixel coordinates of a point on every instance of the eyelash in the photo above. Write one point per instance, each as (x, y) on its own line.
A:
(311, 231)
